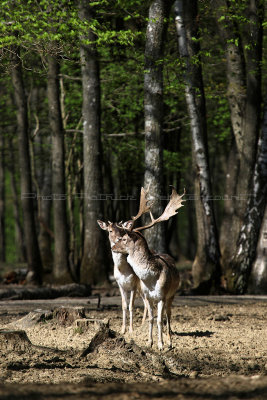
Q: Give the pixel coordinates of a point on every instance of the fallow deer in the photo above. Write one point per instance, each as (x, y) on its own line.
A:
(123, 272)
(159, 278)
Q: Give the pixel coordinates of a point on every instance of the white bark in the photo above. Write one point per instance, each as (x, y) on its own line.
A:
(208, 248)
(258, 278)
(248, 238)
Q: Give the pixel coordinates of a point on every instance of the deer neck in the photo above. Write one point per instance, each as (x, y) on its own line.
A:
(142, 264)
(118, 258)
(140, 255)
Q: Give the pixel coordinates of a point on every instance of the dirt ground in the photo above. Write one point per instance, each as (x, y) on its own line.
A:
(219, 351)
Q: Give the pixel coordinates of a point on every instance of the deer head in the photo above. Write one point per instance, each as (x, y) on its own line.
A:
(113, 229)
(127, 243)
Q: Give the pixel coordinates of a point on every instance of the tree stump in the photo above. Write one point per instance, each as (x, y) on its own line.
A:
(85, 323)
(67, 315)
(11, 340)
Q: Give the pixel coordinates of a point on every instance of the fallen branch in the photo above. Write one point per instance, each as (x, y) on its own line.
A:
(33, 293)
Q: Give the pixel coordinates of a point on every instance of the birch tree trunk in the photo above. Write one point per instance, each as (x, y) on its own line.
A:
(258, 277)
(34, 275)
(244, 98)
(94, 267)
(241, 263)
(153, 113)
(206, 266)
(61, 251)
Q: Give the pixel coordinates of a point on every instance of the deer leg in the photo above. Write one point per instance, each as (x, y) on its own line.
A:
(151, 319)
(124, 308)
(168, 314)
(159, 323)
(145, 309)
(131, 305)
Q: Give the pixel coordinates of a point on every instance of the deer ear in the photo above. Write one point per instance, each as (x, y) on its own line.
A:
(128, 225)
(102, 225)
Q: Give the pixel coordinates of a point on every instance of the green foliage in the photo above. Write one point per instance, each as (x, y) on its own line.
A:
(55, 26)
(127, 160)
(122, 94)
(173, 161)
(72, 85)
(220, 120)
(78, 330)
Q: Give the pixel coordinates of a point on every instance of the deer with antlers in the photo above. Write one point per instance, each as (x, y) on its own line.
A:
(127, 280)
(159, 277)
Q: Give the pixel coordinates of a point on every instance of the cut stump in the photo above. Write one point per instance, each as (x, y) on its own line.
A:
(14, 341)
(86, 323)
(67, 315)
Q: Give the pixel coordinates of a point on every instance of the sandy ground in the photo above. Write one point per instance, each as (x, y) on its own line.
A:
(219, 352)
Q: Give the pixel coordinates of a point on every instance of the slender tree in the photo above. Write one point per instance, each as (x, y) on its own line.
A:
(94, 266)
(19, 235)
(33, 254)
(244, 256)
(258, 277)
(153, 113)
(206, 266)
(243, 50)
(42, 147)
(2, 197)
(61, 252)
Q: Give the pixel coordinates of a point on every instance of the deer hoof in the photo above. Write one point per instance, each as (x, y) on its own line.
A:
(160, 346)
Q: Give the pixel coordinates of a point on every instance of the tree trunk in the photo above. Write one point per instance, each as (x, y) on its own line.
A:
(74, 184)
(206, 266)
(19, 235)
(153, 113)
(258, 277)
(33, 254)
(244, 98)
(46, 236)
(230, 222)
(94, 268)
(42, 174)
(241, 263)
(2, 198)
(44, 180)
(61, 252)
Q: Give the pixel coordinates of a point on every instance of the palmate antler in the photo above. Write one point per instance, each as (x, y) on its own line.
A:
(143, 206)
(171, 209)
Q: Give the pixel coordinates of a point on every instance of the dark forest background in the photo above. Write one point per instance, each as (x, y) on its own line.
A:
(99, 98)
